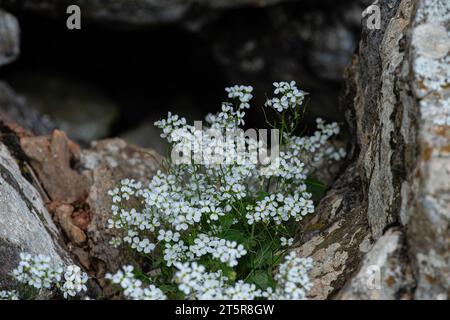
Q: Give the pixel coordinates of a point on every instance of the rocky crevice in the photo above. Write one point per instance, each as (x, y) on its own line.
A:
(381, 232)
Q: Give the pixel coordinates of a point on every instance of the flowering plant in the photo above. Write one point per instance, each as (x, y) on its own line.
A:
(36, 273)
(217, 223)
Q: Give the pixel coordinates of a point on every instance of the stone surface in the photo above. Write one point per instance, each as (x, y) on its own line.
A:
(385, 273)
(9, 38)
(400, 116)
(426, 206)
(51, 158)
(25, 224)
(83, 111)
(106, 164)
(63, 216)
(376, 105)
(15, 110)
(336, 237)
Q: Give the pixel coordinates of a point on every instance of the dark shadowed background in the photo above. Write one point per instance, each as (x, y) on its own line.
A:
(129, 65)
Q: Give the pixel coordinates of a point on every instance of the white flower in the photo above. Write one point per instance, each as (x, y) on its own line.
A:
(9, 295)
(292, 279)
(37, 271)
(74, 281)
(220, 190)
(132, 287)
(223, 250)
(290, 97)
(286, 242)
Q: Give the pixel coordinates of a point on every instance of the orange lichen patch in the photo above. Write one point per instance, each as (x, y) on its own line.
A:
(430, 279)
(445, 149)
(443, 131)
(390, 281)
(426, 155)
(421, 84)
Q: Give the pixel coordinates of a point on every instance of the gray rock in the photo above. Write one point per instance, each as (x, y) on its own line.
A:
(25, 224)
(399, 106)
(385, 273)
(9, 38)
(336, 237)
(146, 135)
(375, 103)
(106, 164)
(15, 109)
(426, 205)
(81, 110)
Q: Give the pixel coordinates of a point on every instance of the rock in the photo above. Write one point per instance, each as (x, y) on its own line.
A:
(63, 215)
(15, 110)
(81, 219)
(51, 158)
(426, 192)
(375, 108)
(336, 236)
(400, 115)
(81, 110)
(9, 38)
(106, 164)
(25, 224)
(136, 13)
(146, 135)
(385, 273)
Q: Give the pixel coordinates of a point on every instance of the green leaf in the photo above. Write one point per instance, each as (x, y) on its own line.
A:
(316, 188)
(262, 194)
(264, 256)
(235, 235)
(168, 288)
(262, 278)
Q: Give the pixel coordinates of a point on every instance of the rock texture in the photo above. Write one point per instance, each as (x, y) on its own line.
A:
(400, 110)
(25, 224)
(51, 157)
(73, 186)
(337, 236)
(82, 110)
(385, 273)
(425, 207)
(9, 38)
(106, 164)
(14, 109)
(397, 104)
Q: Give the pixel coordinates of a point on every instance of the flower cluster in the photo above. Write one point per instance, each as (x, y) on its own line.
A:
(220, 216)
(133, 288)
(286, 242)
(226, 251)
(289, 96)
(196, 283)
(292, 279)
(38, 272)
(74, 281)
(292, 282)
(280, 208)
(9, 295)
